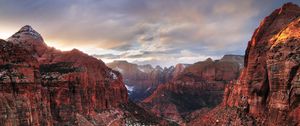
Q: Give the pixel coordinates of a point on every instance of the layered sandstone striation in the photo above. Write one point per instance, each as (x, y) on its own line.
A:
(142, 80)
(199, 86)
(44, 86)
(23, 100)
(268, 88)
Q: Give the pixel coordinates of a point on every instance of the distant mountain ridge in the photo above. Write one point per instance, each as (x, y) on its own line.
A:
(142, 80)
(199, 86)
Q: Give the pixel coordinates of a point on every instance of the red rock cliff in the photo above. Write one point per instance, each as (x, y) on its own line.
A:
(199, 86)
(267, 92)
(270, 80)
(44, 86)
(142, 80)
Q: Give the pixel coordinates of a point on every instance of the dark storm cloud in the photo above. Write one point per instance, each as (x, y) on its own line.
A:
(142, 30)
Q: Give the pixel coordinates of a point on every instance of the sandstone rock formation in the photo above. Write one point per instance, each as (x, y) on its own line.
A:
(267, 92)
(40, 85)
(199, 86)
(142, 80)
(179, 68)
(234, 58)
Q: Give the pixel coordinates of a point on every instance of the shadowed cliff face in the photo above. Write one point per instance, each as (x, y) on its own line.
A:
(40, 85)
(268, 88)
(199, 86)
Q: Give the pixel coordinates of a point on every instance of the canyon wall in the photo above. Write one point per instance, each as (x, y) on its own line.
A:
(199, 86)
(267, 92)
(44, 86)
(142, 80)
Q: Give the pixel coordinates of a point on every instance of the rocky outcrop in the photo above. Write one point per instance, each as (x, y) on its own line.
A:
(179, 68)
(40, 85)
(234, 58)
(23, 100)
(268, 88)
(142, 80)
(199, 86)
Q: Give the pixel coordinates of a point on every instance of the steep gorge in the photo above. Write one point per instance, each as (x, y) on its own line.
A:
(199, 86)
(40, 85)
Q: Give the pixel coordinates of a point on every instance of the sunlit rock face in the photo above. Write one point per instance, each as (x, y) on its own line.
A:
(268, 88)
(40, 85)
(199, 86)
(142, 80)
(44, 86)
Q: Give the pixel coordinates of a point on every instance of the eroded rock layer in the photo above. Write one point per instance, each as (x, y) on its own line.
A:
(199, 86)
(268, 88)
(40, 85)
(142, 80)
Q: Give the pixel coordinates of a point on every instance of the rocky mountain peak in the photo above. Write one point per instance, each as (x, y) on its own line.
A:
(26, 28)
(159, 68)
(209, 60)
(289, 6)
(63, 87)
(27, 32)
(179, 68)
(234, 58)
(76, 51)
(31, 40)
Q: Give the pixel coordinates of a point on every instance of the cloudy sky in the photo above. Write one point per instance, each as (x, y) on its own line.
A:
(159, 32)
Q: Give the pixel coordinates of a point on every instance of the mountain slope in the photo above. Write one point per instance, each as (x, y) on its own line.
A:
(267, 92)
(142, 80)
(44, 86)
(199, 86)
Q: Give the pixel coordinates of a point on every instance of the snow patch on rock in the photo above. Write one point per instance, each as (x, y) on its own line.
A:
(119, 69)
(129, 88)
(148, 89)
(142, 70)
(113, 75)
